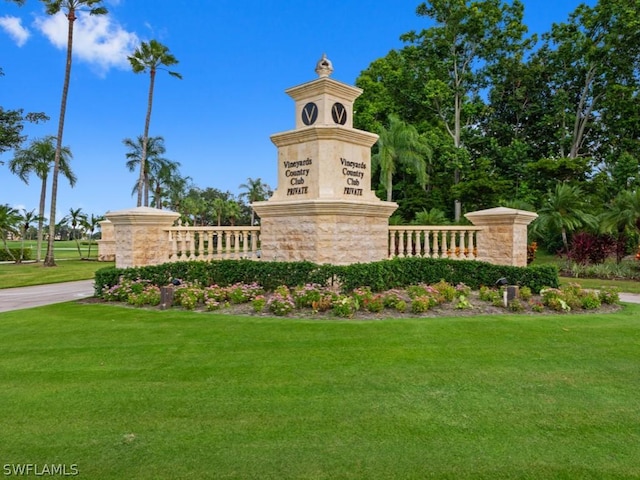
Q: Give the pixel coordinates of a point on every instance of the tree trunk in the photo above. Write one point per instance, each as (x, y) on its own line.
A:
(49, 260)
(145, 140)
(43, 196)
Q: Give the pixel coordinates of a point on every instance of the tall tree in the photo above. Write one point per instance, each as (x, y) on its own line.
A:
(622, 218)
(401, 144)
(233, 211)
(39, 158)
(90, 224)
(27, 217)
(219, 206)
(76, 219)
(592, 56)
(150, 57)
(565, 210)
(70, 7)
(9, 225)
(153, 163)
(255, 190)
(161, 177)
(457, 56)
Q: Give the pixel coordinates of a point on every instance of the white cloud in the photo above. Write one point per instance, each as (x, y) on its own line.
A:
(97, 40)
(13, 27)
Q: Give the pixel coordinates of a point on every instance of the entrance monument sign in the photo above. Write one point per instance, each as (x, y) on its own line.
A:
(323, 209)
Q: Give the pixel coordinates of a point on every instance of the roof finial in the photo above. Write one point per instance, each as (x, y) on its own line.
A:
(324, 67)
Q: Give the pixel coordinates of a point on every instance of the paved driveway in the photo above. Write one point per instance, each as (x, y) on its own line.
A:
(36, 296)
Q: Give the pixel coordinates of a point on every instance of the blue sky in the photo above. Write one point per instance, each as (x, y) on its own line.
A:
(236, 58)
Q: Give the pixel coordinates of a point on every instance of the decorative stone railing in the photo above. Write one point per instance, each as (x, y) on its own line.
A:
(452, 242)
(213, 243)
(145, 236)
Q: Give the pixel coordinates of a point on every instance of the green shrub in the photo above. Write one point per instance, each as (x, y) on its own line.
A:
(423, 303)
(306, 295)
(463, 303)
(515, 305)
(591, 301)
(374, 303)
(609, 296)
(345, 306)
(377, 276)
(281, 303)
(14, 254)
(525, 294)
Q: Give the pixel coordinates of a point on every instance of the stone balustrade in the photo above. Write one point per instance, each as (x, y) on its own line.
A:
(145, 236)
(452, 242)
(212, 243)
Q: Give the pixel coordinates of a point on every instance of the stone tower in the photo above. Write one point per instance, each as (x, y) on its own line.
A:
(323, 209)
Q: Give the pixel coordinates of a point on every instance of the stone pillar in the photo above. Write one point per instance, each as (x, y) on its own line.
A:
(107, 242)
(140, 236)
(323, 209)
(503, 238)
(324, 231)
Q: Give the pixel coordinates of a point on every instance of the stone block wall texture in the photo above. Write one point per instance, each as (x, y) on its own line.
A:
(140, 236)
(338, 233)
(503, 238)
(107, 242)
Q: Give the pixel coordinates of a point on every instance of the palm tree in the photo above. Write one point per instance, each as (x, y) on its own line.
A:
(622, 217)
(149, 57)
(564, 211)
(219, 208)
(90, 225)
(435, 216)
(76, 218)
(401, 144)
(52, 8)
(26, 219)
(38, 158)
(233, 211)
(155, 150)
(177, 189)
(9, 220)
(160, 177)
(256, 191)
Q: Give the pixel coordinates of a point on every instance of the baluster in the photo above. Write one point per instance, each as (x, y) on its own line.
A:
(465, 242)
(197, 244)
(446, 244)
(206, 245)
(392, 243)
(236, 244)
(243, 235)
(254, 242)
(224, 243)
(174, 247)
(186, 250)
(401, 243)
(433, 243)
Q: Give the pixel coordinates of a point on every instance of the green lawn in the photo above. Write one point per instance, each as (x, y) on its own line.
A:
(61, 249)
(27, 274)
(127, 393)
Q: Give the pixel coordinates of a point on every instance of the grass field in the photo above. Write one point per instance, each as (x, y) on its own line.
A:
(61, 249)
(68, 268)
(24, 275)
(126, 393)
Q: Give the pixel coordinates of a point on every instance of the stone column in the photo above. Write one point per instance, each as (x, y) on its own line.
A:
(140, 236)
(324, 210)
(107, 242)
(503, 239)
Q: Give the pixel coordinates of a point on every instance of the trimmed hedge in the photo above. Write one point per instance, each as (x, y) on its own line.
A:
(6, 257)
(382, 275)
